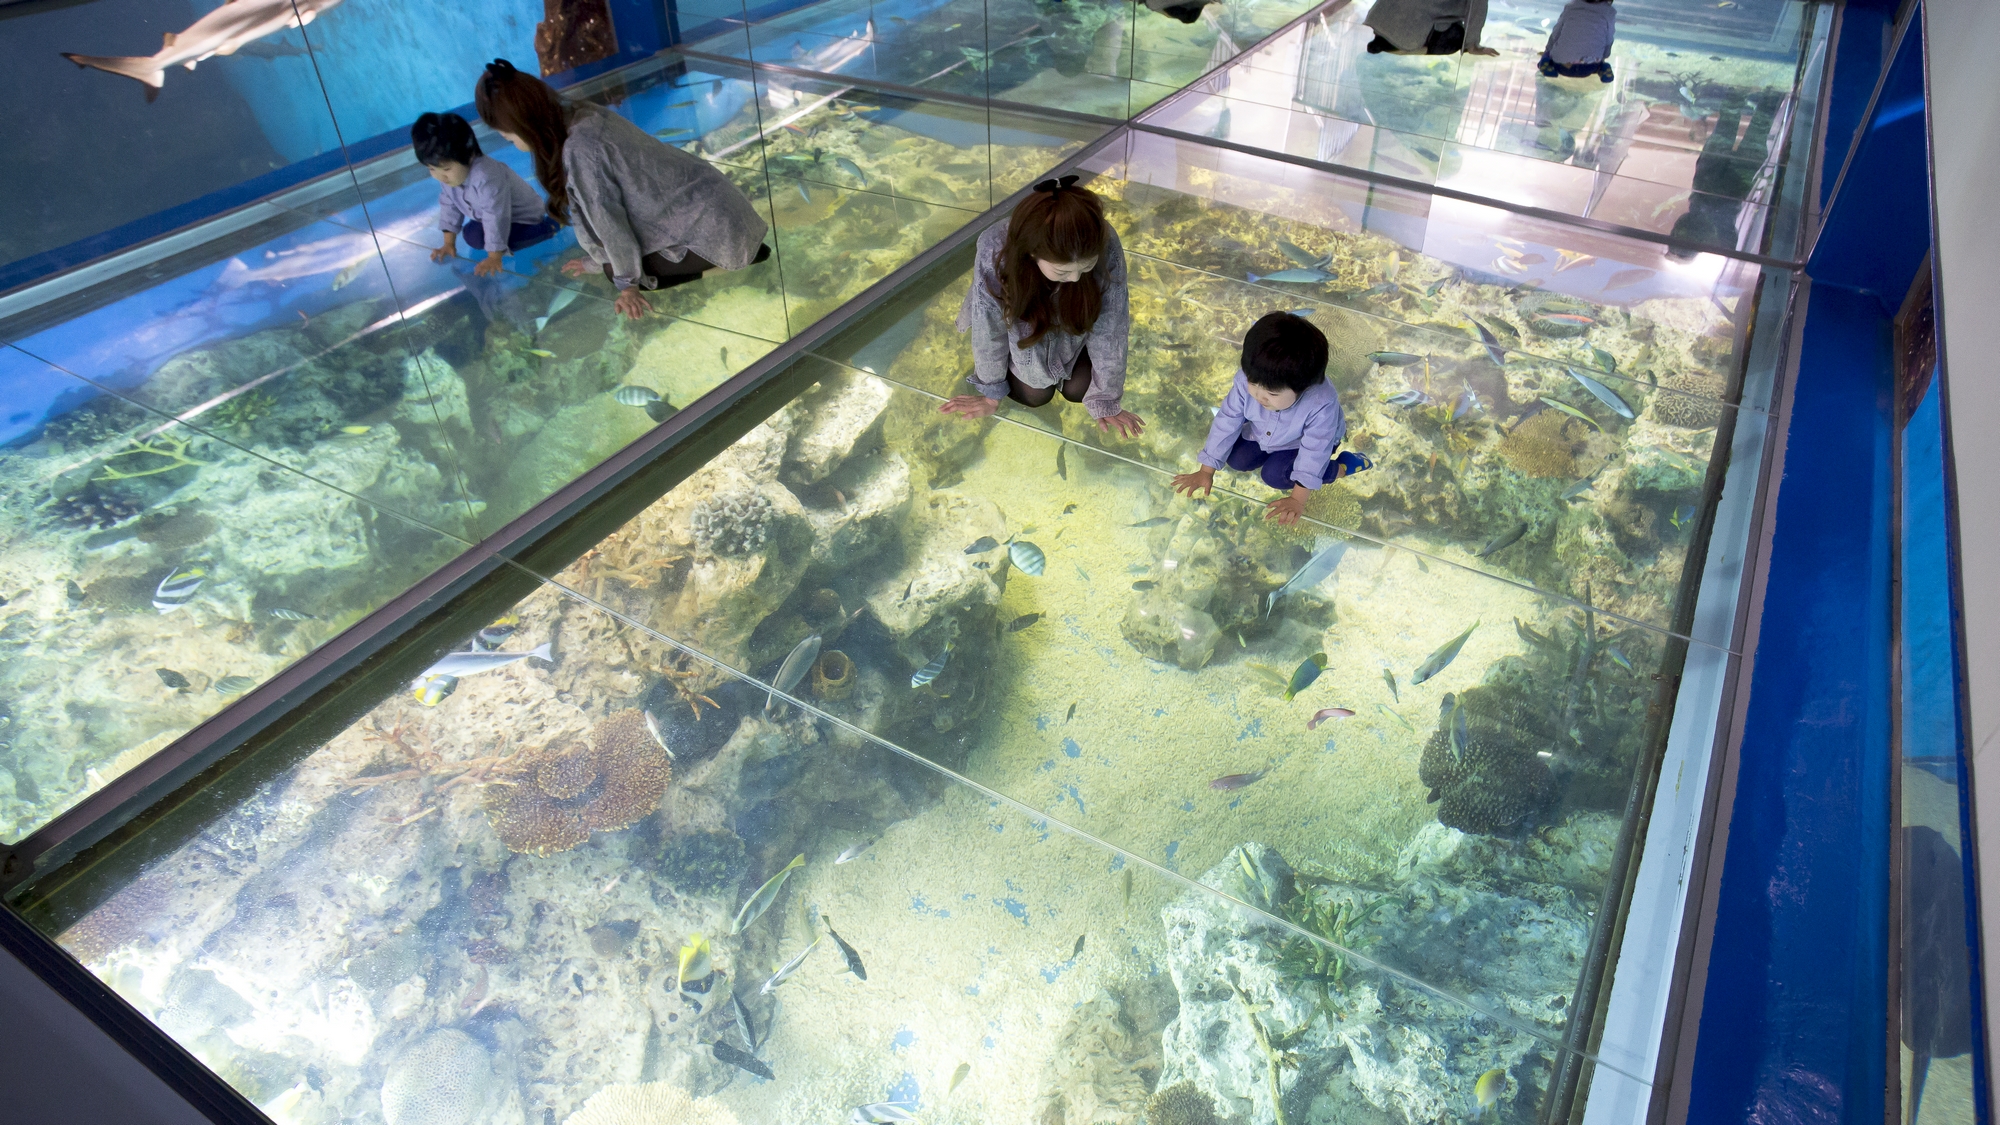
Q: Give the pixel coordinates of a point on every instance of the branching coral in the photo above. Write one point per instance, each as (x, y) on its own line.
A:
(1546, 445)
(1318, 910)
(559, 795)
(171, 453)
(1697, 407)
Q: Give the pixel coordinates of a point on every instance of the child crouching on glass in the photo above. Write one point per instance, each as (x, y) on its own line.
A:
(500, 212)
(1281, 419)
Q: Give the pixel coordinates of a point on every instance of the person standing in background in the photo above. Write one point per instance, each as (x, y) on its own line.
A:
(1427, 27)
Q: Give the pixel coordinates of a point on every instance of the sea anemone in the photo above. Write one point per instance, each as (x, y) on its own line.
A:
(736, 524)
(565, 791)
(1698, 405)
(1183, 1103)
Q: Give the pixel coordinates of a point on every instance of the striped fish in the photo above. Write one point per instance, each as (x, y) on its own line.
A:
(178, 588)
(933, 670)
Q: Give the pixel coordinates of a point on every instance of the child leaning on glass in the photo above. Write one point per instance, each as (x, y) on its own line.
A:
(1281, 418)
(500, 212)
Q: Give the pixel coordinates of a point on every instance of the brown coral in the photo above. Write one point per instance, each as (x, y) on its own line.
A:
(1546, 445)
(1698, 405)
(559, 795)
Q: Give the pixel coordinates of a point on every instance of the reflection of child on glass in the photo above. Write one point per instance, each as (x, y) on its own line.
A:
(1281, 418)
(1580, 42)
(1048, 310)
(647, 214)
(500, 213)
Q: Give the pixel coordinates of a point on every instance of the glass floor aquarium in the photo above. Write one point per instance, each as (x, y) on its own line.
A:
(846, 761)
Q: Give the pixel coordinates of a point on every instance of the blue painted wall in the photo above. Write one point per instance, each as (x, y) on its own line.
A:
(1794, 1018)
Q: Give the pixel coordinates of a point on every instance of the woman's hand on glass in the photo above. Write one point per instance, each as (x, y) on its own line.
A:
(577, 267)
(971, 407)
(1125, 422)
(632, 303)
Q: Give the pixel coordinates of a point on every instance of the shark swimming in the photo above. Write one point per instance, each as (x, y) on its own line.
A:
(223, 31)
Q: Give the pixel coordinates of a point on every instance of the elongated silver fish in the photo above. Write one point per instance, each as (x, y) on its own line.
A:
(785, 972)
(1446, 653)
(790, 672)
(1027, 556)
(1312, 574)
(852, 851)
(1602, 393)
(283, 614)
(1304, 275)
(1394, 359)
(755, 906)
(462, 664)
(234, 685)
(630, 395)
(178, 587)
(933, 670)
(1503, 541)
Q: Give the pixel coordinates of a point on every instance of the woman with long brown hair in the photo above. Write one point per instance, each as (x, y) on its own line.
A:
(649, 215)
(1048, 310)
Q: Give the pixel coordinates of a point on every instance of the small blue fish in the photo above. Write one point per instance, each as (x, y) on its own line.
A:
(1389, 678)
(803, 193)
(1618, 658)
(1446, 653)
(933, 670)
(851, 168)
(1578, 489)
(1301, 257)
(1468, 402)
(1301, 276)
(1602, 393)
(1679, 517)
(1302, 312)
(1501, 542)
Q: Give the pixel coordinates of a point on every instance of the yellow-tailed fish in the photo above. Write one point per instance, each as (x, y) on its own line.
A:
(755, 906)
(1488, 1088)
(357, 431)
(543, 352)
(957, 1076)
(696, 961)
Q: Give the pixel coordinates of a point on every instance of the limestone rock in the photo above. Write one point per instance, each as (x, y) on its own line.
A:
(576, 439)
(434, 395)
(937, 576)
(834, 417)
(869, 517)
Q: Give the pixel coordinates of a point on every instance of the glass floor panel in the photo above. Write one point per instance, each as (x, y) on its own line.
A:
(431, 887)
(157, 570)
(1693, 148)
(966, 608)
(1466, 387)
(1108, 59)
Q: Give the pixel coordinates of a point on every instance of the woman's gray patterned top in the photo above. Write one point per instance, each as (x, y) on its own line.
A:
(996, 348)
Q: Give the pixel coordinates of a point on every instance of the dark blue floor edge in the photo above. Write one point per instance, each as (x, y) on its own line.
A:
(1794, 1018)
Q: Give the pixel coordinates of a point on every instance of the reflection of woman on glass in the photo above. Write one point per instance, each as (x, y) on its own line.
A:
(1048, 310)
(649, 215)
(1427, 27)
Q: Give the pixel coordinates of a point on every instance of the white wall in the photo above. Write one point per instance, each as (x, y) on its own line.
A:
(1965, 145)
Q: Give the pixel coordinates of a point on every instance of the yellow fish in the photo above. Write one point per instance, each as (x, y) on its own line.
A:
(958, 1076)
(696, 961)
(1570, 258)
(357, 431)
(543, 352)
(1488, 1089)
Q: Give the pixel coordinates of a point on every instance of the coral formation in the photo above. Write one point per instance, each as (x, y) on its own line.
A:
(649, 1103)
(1093, 1072)
(702, 862)
(183, 526)
(1495, 783)
(1547, 445)
(1697, 407)
(1182, 1103)
(148, 458)
(736, 524)
(1336, 505)
(563, 792)
(444, 1078)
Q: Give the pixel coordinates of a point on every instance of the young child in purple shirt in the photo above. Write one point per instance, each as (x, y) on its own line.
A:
(500, 213)
(1281, 418)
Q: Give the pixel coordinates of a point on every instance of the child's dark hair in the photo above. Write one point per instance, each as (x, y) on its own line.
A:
(444, 138)
(1282, 352)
